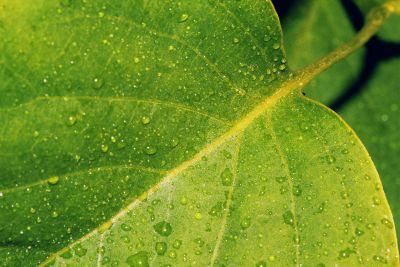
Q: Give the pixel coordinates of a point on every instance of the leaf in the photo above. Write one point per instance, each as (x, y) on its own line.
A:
(389, 30)
(373, 112)
(173, 133)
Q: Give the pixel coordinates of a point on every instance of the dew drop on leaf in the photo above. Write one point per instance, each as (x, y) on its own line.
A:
(104, 148)
(226, 177)
(245, 223)
(261, 264)
(150, 150)
(281, 179)
(161, 248)
(288, 218)
(146, 120)
(71, 120)
(98, 83)
(140, 259)
(387, 223)
(163, 228)
(183, 17)
(53, 180)
(79, 250)
(177, 244)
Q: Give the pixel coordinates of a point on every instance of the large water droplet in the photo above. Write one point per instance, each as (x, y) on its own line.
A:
(140, 259)
(163, 228)
(288, 218)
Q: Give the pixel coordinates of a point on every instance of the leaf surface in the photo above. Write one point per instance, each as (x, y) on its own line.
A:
(147, 133)
(374, 111)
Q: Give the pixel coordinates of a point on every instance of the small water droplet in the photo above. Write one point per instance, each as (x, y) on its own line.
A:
(174, 142)
(125, 227)
(140, 259)
(150, 150)
(276, 46)
(387, 223)
(163, 228)
(236, 40)
(98, 83)
(281, 179)
(79, 250)
(54, 214)
(136, 60)
(161, 248)
(53, 180)
(71, 120)
(245, 223)
(227, 177)
(288, 218)
(198, 216)
(104, 148)
(379, 259)
(177, 244)
(261, 264)
(146, 120)
(184, 17)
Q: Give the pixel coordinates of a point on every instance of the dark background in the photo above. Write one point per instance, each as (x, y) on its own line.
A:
(377, 50)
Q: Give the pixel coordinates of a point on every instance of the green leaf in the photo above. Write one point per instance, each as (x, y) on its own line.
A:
(373, 113)
(154, 133)
(389, 30)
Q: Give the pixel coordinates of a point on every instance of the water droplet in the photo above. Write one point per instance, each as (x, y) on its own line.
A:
(146, 120)
(184, 17)
(227, 177)
(161, 248)
(198, 216)
(297, 190)
(54, 214)
(387, 223)
(104, 148)
(140, 259)
(79, 250)
(376, 201)
(32, 210)
(281, 179)
(98, 83)
(288, 218)
(272, 258)
(236, 40)
(53, 180)
(125, 227)
(174, 142)
(172, 254)
(261, 264)
(177, 244)
(184, 200)
(245, 223)
(345, 253)
(163, 228)
(136, 60)
(150, 150)
(359, 232)
(379, 259)
(276, 46)
(330, 159)
(71, 120)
